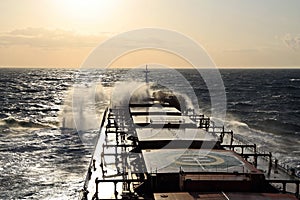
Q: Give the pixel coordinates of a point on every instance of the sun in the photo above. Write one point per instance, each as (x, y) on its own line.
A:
(85, 9)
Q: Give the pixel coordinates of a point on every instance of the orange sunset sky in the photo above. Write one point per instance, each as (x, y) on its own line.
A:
(235, 33)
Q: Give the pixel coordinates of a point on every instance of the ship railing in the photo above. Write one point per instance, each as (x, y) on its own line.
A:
(119, 125)
(219, 175)
(201, 120)
(251, 147)
(215, 171)
(127, 182)
(121, 122)
(284, 183)
(220, 132)
(238, 139)
(159, 121)
(89, 173)
(274, 161)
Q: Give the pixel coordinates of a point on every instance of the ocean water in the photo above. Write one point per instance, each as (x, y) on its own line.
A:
(44, 156)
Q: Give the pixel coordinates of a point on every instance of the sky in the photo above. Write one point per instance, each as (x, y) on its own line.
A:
(234, 33)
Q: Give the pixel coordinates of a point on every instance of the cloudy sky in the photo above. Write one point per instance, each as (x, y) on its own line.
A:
(235, 33)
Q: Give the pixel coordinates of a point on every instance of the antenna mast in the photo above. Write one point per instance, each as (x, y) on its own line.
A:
(147, 80)
(146, 74)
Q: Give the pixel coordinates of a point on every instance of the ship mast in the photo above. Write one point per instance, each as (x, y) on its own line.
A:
(146, 75)
(147, 80)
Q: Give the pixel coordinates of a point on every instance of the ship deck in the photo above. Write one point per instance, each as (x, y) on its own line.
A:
(154, 110)
(175, 138)
(196, 160)
(158, 153)
(221, 196)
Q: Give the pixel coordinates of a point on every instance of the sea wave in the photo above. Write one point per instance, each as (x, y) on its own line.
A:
(40, 158)
(26, 123)
(294, 79)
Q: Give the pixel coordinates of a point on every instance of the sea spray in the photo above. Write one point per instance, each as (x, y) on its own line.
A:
(82, 107)
(124, 92)
(134, 91)
(82, 110)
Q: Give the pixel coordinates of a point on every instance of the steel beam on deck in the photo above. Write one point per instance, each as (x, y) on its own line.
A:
(256, 155)
(284, 182)
(119, 145)
(118, 180)
(240, 145)
(114, 154)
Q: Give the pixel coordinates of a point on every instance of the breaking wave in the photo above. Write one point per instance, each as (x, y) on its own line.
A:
(29, 123)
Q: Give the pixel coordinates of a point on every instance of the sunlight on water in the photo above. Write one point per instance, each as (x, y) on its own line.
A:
(42, 155)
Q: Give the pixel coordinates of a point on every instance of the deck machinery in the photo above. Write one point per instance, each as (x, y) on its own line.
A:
(152, 150)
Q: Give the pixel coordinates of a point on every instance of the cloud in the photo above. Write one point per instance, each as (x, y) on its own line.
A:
(46, 38)
(293, 42)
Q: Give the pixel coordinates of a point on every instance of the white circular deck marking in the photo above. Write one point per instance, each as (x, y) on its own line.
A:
(201, 160)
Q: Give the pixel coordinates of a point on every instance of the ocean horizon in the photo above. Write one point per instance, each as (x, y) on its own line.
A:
(43, 157)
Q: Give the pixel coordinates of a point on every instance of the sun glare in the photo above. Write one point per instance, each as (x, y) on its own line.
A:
(85, 9)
